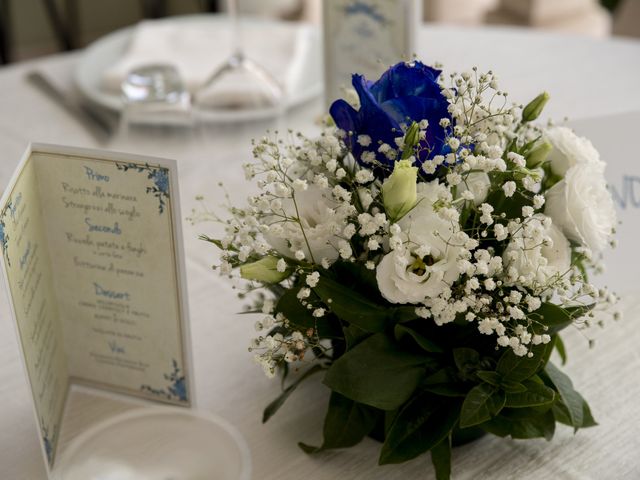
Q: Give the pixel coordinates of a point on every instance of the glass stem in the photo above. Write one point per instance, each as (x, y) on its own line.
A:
(236, 34)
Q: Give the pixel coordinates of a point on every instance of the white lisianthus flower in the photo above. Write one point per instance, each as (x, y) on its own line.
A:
(538, 251)
(478, 184)
(411, 275)
(582, 206)
(569, 150)
(403, 278)
(321, 218)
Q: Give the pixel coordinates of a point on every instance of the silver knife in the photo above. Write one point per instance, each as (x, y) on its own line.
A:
(101, 129)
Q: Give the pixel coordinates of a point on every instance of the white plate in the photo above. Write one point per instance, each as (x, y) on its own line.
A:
(157, 443)
(304, 80)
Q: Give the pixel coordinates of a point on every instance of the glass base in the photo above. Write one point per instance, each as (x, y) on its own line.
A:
(240, 84)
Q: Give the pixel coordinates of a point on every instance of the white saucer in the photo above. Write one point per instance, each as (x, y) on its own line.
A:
(304, 80)
(157, 443)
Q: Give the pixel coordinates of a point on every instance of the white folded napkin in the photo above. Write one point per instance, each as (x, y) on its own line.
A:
(197, 46)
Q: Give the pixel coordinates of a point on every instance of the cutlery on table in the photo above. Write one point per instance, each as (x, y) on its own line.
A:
(99, 127)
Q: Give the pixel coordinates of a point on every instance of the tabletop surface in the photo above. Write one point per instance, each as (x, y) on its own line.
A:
(585, 77)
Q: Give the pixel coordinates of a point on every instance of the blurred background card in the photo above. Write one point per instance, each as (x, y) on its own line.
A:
(610, 135)
(365, 36)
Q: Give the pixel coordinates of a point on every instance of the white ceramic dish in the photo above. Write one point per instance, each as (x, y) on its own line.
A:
(304, 80)
(157, 443)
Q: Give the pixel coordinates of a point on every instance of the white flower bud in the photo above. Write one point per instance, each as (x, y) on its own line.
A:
(399, 190)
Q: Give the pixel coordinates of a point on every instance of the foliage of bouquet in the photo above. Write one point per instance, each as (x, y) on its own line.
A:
(424, 253)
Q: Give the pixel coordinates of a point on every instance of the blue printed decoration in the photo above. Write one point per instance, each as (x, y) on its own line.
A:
(627, 197)
(12, 206)
(364, 8)
(47, 441)
(177, 388)
(158, 175)
(4, 238)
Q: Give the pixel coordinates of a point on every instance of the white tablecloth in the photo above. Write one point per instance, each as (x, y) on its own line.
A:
(585, 77)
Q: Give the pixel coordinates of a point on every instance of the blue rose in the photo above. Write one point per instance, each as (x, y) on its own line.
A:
(405, 93)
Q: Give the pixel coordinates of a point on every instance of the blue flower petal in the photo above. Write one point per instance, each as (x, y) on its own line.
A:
(404, 79)
(345, 117)
(408, 109)
(405, 93)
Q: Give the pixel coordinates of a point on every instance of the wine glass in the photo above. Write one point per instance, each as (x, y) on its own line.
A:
(239, 84)
(156, 107)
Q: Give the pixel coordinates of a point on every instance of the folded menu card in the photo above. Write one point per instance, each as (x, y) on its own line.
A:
(91, 248)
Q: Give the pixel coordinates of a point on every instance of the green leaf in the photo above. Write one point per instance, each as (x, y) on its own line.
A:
(423, 423)
(441, 458)
(448, 389)
(284, 373)
(354, 335)
(345, 425)
(525, 412)
(569, 396)
(444, 375)
(512, 387)
(423, 342)
(444, 382)
(561, 350)
(556, 318)
(587, 417)
(481, 403)
(536, 394)
(352, 307)
(523, 428)
(515, 368)
(561, 414)
(299, 316)
(355, 276)
(465, 357)
(548, 350)
(492, 378)
(404, 314)
(273, 407)
(377, 373)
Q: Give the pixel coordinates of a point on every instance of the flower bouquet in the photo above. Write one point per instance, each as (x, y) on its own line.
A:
(423, 255)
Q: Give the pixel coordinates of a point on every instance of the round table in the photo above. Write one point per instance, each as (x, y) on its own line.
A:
(585, 77)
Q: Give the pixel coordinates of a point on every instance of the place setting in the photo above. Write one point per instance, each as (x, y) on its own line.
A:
(190, 71)
(360, 262)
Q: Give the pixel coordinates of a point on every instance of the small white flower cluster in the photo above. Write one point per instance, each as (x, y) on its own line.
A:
(281, 343)
(506, 218)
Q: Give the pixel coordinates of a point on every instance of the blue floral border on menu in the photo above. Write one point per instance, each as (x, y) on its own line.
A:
(4, 238)
(48, 440)
(158, 175)
(177, 388)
